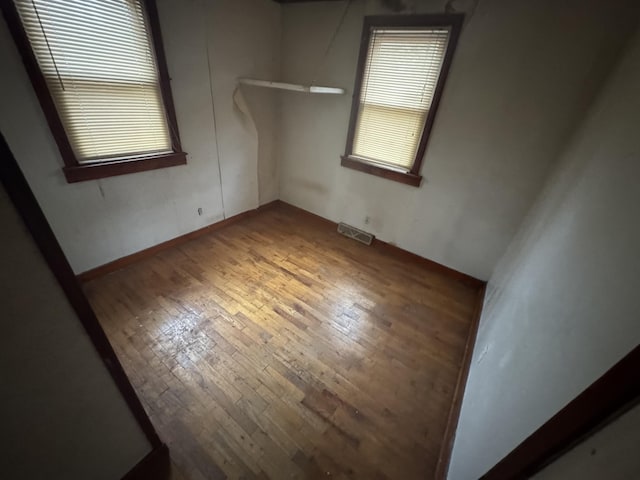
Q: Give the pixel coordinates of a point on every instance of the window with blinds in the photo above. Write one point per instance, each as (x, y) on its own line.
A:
(403, 64)
(398, 85)
(99, 65)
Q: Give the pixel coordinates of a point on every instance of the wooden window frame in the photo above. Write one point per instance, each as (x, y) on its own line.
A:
(348, 160)
(75, 171)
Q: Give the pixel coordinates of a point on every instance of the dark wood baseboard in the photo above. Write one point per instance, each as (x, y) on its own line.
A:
(317, 218)
(156, 465)
(429, 264)
(378, 244)
(609, 396)
(151, 251)
(456, 404)
(396, 251)
(444, 458)
(392, 250)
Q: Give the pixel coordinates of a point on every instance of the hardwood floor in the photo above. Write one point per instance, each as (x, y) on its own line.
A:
(276, 348)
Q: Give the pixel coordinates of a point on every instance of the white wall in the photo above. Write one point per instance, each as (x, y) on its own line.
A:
(610, 453)
(511, 99)
(563, 305)
(522, 74)
(62, 414)
(208, 44)
(244, 41)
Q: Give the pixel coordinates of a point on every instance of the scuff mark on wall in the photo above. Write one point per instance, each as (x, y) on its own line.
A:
(311, 186)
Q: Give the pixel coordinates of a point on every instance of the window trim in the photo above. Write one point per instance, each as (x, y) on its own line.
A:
(348, 160)
(75, 171)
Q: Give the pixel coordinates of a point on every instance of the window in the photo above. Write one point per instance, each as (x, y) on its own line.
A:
(99, 72)
(401, 72)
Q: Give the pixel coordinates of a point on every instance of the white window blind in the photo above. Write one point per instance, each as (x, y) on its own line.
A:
(98, 62)
(398, 84)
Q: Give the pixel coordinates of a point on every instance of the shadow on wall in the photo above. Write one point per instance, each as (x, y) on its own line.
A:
(563, 303)
(502, 122)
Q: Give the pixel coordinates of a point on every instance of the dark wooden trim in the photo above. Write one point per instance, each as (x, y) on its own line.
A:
(93, 171)
(317, 218)
(155, 465)
(378, 244)
(75, 171)
(398, 252)
(609, 395)
(428, 264)
(444, 458)
(454, 21)
(379, 171)
(357, 89)
(27, 206)
(12, 17)
(163, 72)
(151, 251)
(458, 395)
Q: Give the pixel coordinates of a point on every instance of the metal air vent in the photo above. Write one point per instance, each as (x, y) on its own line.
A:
(355, 233)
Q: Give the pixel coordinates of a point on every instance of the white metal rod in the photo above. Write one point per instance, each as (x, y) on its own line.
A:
(291, 86)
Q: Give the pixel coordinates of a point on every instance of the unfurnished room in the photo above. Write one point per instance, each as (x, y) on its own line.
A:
(304, 239)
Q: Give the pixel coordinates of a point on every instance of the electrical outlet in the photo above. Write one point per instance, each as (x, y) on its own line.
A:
(200, 211)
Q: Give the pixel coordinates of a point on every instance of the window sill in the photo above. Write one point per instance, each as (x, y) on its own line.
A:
(379, 171)
(94, 171)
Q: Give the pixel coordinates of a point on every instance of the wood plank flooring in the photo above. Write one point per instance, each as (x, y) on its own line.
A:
(276, 348)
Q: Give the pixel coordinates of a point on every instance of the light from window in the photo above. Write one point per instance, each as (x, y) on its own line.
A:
(398, 85)
(99, 64)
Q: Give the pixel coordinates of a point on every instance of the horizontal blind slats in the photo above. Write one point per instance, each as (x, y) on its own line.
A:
(98, 62)
(401, 72)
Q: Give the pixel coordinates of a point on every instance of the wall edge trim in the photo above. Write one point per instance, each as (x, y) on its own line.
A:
(612, 394)
(156, 464)
(127, 260)
(400, 252)
(32, 216)
(378, 244)
(446, 448)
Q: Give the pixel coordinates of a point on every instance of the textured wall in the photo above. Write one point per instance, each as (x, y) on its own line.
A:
(521, 77)
(562, 307)
(208, 45)
(62, 414)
